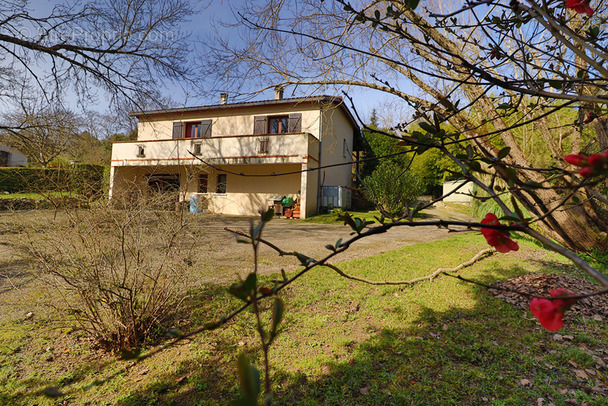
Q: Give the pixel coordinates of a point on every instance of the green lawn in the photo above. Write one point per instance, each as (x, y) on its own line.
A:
(34, 196)
(343, 343)
(332, 217)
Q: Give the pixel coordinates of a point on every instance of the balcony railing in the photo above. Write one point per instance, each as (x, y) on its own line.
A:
(248, 149)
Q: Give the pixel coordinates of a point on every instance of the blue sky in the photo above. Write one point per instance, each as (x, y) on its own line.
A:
(221, 10)
(201, 28)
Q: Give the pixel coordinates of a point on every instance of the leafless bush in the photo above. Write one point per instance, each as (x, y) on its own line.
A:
(119, 272)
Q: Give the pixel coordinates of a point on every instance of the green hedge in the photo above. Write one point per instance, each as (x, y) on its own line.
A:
(86, 179)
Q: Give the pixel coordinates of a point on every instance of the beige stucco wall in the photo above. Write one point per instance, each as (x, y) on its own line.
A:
(228, 122)
(336, 130)
(127, 180)
(282, 148)
(311, 186)
(248, 195)
(244, 195)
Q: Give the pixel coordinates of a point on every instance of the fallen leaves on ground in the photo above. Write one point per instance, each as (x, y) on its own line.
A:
(540, 284)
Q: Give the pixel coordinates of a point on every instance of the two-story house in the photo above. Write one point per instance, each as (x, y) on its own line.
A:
(239, 156)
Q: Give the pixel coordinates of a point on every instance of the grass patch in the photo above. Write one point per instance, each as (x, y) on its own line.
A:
(35, 196)
(332, 216)
(343, 343)
(460, 208)
(369, 215)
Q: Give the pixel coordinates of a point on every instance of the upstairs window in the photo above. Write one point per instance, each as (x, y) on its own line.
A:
(194, 129)
(263, 145)
(197, 148)
(291, 123)
(141, 151)
(278, 124)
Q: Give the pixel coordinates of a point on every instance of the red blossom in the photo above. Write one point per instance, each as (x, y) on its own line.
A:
(590, 117)
(497, 238)
(495, 53)
(564, 304)
(591, 165)
(586, 172)
(580, 6)
(550, 313)
(576, 159)
(594, 160)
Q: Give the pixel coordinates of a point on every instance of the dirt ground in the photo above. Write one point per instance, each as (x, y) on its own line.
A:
(218, 258)
(222, 257)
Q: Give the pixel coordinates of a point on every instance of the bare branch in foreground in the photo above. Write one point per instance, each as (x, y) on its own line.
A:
(478, 257)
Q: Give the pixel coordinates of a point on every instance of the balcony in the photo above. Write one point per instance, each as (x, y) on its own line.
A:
(243, 149)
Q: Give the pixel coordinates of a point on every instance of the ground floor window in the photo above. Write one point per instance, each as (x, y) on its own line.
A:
(163, 183)
(203, 182)
(221, 183)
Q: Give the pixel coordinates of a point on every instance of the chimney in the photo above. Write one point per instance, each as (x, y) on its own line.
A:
(223, 98)
(278, 92)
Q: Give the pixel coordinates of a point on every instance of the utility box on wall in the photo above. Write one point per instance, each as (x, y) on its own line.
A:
(336, 196)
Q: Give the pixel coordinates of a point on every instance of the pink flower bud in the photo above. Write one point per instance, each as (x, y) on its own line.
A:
(586, 172)
(576, 159)
(594, 160)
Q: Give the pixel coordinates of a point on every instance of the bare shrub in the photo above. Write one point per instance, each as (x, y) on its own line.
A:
(121, 272)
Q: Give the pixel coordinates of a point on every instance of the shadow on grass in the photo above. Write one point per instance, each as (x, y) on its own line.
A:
(461, 356)
(475, 354)
(37, 387)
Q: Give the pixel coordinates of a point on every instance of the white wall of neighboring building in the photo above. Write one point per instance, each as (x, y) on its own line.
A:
(15, 158)
(463, 195)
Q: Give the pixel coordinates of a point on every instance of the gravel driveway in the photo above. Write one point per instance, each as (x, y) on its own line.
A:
(218, 258)
(223, 258)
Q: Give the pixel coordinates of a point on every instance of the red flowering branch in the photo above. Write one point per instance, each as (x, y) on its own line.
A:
(580, 6)
(592, 165)
(550, 312)
(497, 238)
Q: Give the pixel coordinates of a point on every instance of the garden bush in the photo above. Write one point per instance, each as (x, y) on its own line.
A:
(393, 188)
(121, 281)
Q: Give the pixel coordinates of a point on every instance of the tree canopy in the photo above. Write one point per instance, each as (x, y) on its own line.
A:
(116, 50)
